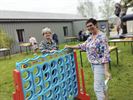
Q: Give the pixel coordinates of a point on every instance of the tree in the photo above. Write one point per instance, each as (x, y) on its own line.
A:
(86, 8)
(5, 40)
(107, 8)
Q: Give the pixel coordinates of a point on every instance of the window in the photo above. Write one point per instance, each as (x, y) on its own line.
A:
(65, 29)
(20, 35)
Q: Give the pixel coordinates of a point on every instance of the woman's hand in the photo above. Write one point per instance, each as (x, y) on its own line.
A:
(108, 75)
(71, 47)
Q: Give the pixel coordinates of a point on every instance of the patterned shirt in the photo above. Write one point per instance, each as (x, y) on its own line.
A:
(97, 49)
(45, 46)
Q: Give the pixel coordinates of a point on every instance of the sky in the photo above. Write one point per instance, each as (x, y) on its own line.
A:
(52, 6)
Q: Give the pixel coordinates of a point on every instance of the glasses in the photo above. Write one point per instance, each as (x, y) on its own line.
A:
(89, 25)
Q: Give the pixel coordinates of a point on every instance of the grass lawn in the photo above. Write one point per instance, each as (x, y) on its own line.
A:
(120, 87)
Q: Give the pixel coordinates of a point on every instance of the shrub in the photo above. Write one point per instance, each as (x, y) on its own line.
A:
(5, 40)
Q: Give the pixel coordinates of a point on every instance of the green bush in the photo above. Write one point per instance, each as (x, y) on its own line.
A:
(5, 40)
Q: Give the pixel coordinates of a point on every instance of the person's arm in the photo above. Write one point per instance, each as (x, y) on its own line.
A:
(106, 57)
(72, 47)
(105, 50)
(79, 46)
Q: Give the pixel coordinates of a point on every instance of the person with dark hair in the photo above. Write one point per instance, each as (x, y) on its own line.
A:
(55, 38)
(47, 45)
(117, 9)
(118, 19)
(86, 34)
(80, 35)
(120, 12)
(97, 49)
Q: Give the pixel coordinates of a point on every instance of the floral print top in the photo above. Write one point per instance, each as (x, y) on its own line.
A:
(97, 49)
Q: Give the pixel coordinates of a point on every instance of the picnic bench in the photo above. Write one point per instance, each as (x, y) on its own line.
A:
(4, 51)
(111, 48)
(129, 35)
(129, 40)
(25, 45)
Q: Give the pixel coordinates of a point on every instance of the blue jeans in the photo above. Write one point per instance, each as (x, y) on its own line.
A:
(99, 77)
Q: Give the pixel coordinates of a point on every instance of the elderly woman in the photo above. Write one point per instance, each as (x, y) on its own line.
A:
(47, 45)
